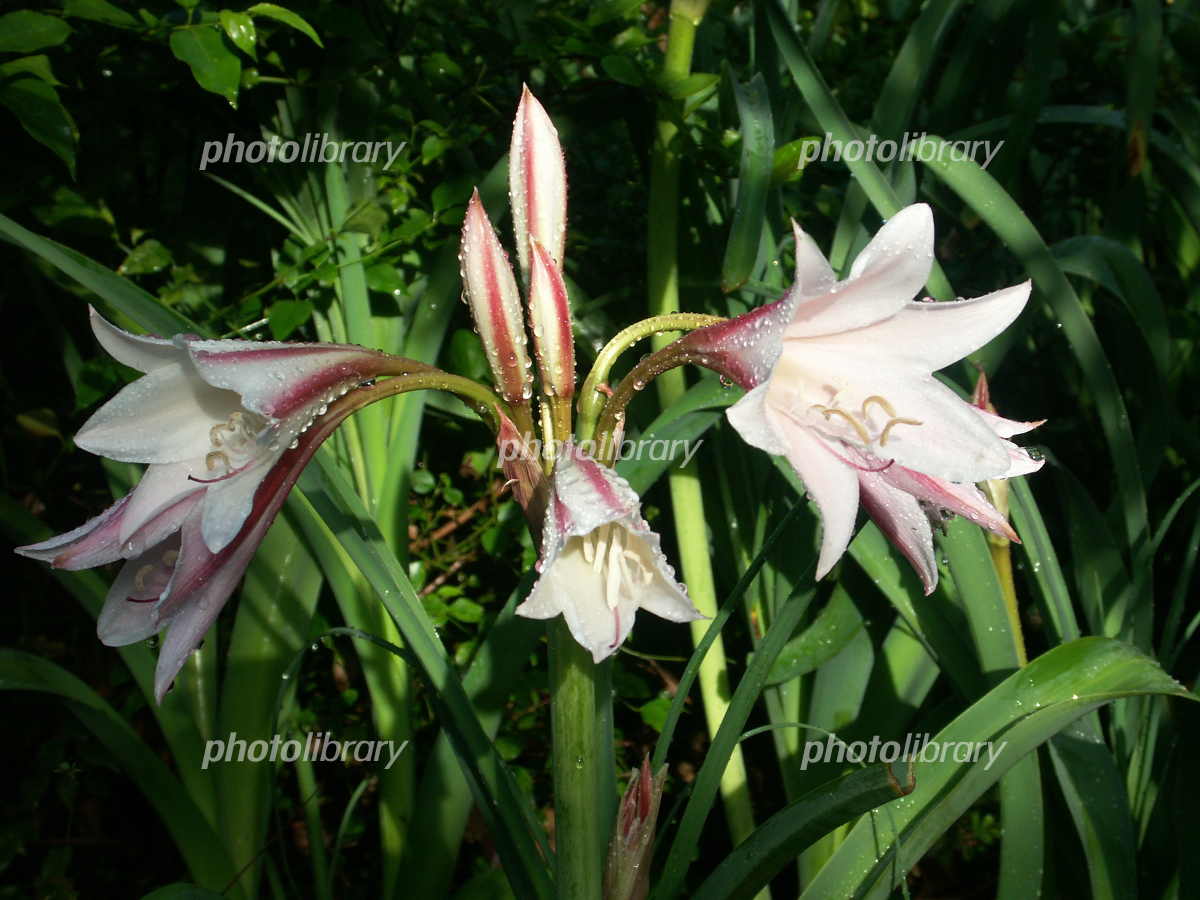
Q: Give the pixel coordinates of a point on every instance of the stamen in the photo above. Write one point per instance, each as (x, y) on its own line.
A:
(615, 573)
(828, 411)
(881, 401)
(224, 477)
(883, 435)
(214, 433)
(169, 558)
(139, 580)
(215, 457)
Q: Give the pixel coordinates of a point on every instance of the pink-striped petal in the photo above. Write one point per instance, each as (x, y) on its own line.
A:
(94, 543)
(495, 304)
(279, 380)
(902, 521)
(550, 316)
(963, 499)
(746, 348)
(537, 183)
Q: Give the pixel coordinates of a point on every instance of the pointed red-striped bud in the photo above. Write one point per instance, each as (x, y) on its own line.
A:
(627, 872)
(550, 316)
(537, 182)
(495, 304)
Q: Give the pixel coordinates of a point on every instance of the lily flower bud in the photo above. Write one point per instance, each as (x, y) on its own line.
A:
(627, 872)
(495, 304)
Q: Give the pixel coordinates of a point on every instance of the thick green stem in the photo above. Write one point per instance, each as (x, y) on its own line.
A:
(580, 827)
(687, 501)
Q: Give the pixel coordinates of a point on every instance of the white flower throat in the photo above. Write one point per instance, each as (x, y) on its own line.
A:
(236, 442)
(861, 422)
(605, 549)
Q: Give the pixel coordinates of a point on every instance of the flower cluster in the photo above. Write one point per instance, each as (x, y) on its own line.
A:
(838, 375)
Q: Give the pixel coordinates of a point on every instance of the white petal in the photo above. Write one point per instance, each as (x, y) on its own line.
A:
(591, 494)
(932, 335)
(161, 486)
(1006, 428)
(749, 418)
(902, 522)
(130, 609)
(952, 441)
(831, 483)
(888, 273)
(813, 273)
(227, 504)
(275, 379)
(94, 543)
(139, 352)
(163, 417)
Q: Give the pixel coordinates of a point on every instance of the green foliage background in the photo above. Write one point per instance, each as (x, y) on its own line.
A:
(104, 111)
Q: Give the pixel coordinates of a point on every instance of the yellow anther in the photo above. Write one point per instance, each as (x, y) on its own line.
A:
(883, 435)
(139, 579)
(169, 558)
(828, 411)
(214, 458)
(881, 401)
(214, 434)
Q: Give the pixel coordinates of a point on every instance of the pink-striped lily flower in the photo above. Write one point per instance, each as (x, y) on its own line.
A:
(839, 380)
(600, 561)
(225, 428)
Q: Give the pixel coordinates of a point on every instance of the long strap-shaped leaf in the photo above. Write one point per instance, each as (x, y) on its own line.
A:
(1024, 710)
(504, 807)
(201, 848)
(776, 842)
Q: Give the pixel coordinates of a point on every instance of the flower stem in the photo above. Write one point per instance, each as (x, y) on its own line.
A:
(687, 501)
(591, 398)
(580, 827)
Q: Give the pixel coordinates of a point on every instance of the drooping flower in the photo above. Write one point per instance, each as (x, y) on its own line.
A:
(225, 428)
(600, 561)
(839, 380)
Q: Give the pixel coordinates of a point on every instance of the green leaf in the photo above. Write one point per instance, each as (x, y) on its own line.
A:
(215, 67)
(38, 66)
(240, 28)
(1024, 710)
(754, 177)
(99, 11)
(146, 258)
(25, 31)
(832, 630)
(285, 316)
(622, 69)
(119, 293)
(35, 103)
(200, 846)
(778, 841)
(286, 16)
(181, 891)
(692, 84)
(655, 712)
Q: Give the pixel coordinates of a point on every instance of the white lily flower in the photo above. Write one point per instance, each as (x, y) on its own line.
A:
(225, 428)
(600, 560)
(839, 379)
